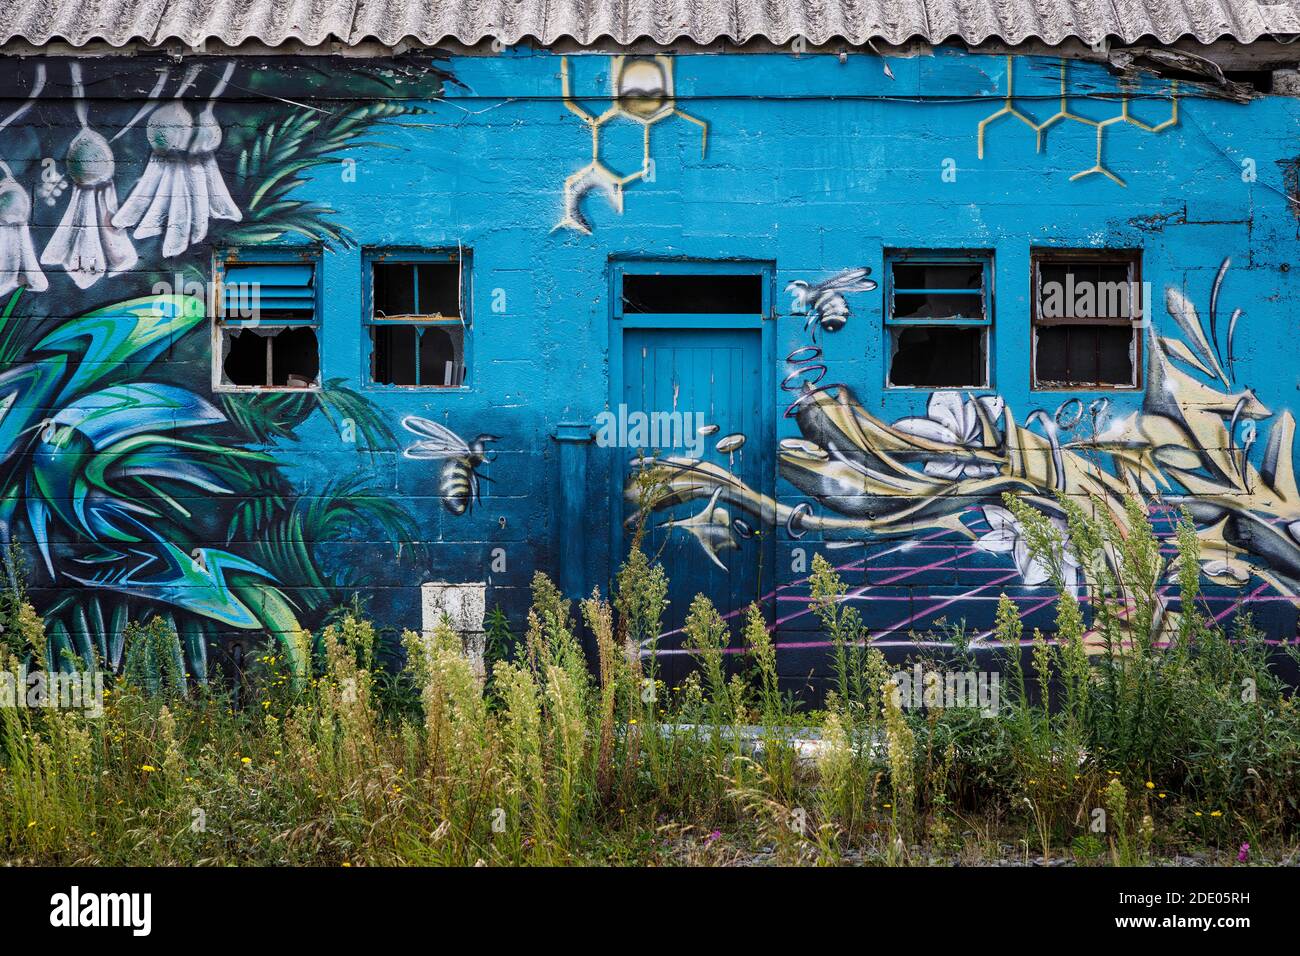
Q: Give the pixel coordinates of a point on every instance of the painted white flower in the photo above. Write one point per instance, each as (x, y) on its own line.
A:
(86, 244)
(203, 163)
(181, 190)
(18, 262)
(1007, 536)
(950, 420)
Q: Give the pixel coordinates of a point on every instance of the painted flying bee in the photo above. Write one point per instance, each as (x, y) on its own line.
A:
(459, 484)
(823, 302)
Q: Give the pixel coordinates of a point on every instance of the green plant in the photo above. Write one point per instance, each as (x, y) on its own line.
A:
(154, 659)
(557, 766)
(499, 643)
(848, 637)
(900, 745)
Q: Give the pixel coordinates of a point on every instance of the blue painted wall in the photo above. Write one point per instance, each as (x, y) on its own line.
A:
(812, 166)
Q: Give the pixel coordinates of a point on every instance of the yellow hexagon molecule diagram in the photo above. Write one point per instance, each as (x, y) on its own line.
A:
(643, 93)
(1064, 114)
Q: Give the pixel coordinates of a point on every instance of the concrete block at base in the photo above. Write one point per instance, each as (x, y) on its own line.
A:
(465, 606)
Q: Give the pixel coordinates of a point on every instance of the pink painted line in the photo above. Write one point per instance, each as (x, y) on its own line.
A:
(947, 601)
(859, 592)
(851, 566)
(1226, 611)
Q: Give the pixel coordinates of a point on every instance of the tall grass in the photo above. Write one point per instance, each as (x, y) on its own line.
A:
(1136, 704)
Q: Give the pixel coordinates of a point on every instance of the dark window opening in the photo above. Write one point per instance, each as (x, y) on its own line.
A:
(417, 288)
(417, 336)
(267, 323)
(393, 348)
(1084, 355)
(1087, 291)
(928, 306)
(938, 275)
(682, 294)
(930, 356)
(440, 357)
(245, 361)
(270, 358)
(937, 290)
(409, 354)
(938, 318)
(294, 358)
(1087, 307)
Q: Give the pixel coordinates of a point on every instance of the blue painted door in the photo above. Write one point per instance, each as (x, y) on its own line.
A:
(711, 382)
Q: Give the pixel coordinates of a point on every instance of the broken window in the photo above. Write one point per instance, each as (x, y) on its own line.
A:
(267, 327)
(1088, 308)
(937, 317)
(417, 325)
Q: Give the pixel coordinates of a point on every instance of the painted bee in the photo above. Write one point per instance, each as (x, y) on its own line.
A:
(459, 484)
(823, 302)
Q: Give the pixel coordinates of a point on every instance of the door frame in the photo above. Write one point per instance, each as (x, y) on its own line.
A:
(764, 323)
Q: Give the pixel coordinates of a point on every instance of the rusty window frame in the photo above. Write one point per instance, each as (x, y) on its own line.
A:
(1132, 260)
(221, 322)
(421, 320)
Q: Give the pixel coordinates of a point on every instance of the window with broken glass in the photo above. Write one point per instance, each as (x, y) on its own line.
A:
(938, 314)
(1088, 310)
(267, 327)
(416, 320)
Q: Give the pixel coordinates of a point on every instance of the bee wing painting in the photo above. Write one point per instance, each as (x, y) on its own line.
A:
(438, 441)
(850, 280)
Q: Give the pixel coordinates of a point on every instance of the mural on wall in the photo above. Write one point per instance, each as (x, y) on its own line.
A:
(143, 494)
(943, 474)
(86, 244)
(18, 263)
(459, 482)
(182, 189)
(1064, 114)
(642, 88)
(823, 302)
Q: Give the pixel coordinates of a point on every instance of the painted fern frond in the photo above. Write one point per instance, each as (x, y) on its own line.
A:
(272, 166)
(342, 405)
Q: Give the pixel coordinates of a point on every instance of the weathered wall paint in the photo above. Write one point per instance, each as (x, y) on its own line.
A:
(139, 491)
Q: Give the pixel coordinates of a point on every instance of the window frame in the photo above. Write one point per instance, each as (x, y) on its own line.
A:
(763, 270)
(253, 256)
(1132, 258)
(939, 257)
(397, 255)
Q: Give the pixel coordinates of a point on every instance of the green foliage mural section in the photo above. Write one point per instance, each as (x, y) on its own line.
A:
(129, 491)
(110, 471)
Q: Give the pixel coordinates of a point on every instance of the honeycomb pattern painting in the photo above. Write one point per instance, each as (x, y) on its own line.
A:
(1063, 114)
(643, 93)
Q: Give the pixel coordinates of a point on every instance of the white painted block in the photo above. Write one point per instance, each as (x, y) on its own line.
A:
(465, 605)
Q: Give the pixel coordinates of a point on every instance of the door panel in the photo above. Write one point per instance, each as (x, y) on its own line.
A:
(711, 378)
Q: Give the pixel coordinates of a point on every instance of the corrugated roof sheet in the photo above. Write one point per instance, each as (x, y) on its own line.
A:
(272, 22)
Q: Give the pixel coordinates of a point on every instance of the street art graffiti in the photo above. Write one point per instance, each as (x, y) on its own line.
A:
(97, 474)
(1064, 114)
(642, 88)
(139, 492)
(18, 263)
(86, 244)
(824, 302)
(182, 189)
(459, 482)
(944, 473)
(119, 468)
